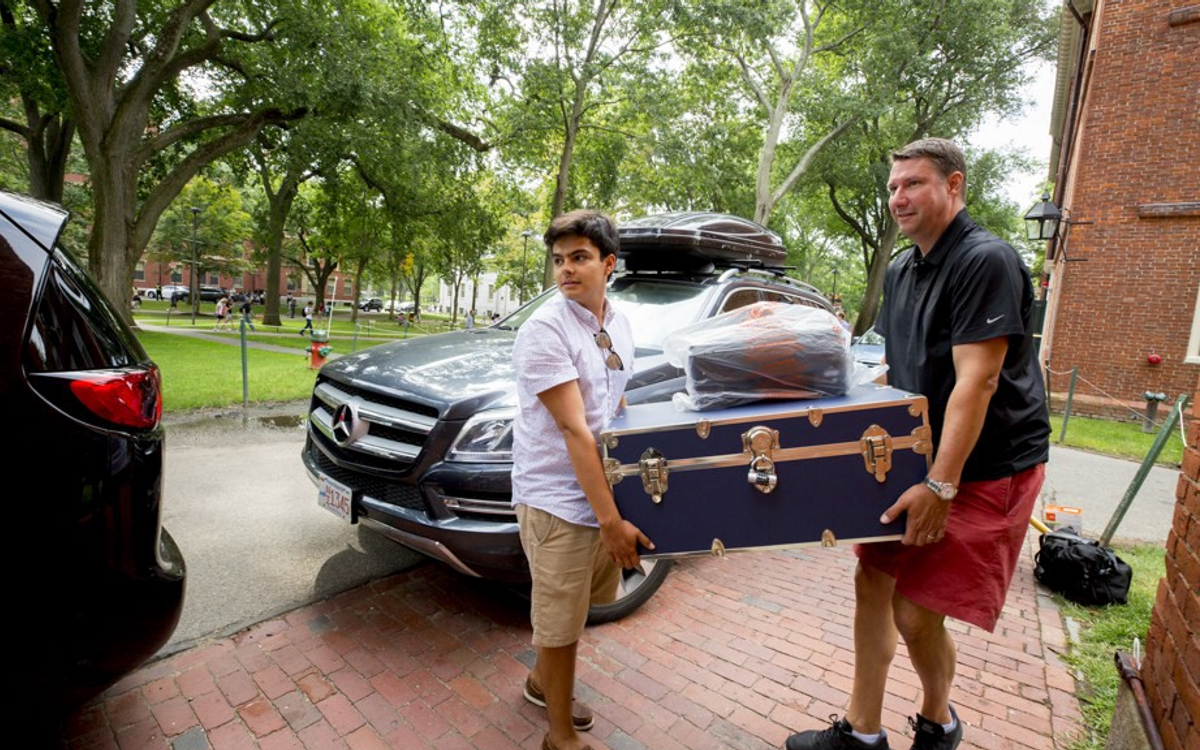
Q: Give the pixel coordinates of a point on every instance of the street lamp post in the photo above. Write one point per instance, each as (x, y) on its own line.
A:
(192, 285)
(835, 280)
(524, 251)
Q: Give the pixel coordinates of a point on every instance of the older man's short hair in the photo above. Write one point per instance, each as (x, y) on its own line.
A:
(946, 157)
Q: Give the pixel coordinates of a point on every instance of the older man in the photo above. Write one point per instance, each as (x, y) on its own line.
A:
(956, 321)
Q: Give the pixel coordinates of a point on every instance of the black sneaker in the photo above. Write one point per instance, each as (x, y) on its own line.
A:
(836, 737)
(929, 735)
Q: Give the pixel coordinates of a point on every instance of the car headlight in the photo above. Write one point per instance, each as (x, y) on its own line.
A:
(487, 437)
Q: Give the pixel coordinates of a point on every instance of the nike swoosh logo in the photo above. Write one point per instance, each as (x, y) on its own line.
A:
(993, 320)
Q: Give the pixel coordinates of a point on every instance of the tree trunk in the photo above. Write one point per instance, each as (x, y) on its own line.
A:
(47, 149)
(764, 202)
(873, 294)
(279, 204)
(271, 316)
(360, 267)
(562, 181)
(454, 300)
(112, 254)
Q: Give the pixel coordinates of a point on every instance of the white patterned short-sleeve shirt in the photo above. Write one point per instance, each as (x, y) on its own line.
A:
(555, 346)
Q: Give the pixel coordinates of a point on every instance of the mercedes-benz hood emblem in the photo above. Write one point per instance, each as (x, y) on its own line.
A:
(347, 427)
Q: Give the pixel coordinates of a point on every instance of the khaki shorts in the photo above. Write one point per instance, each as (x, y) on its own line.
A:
(571, 571)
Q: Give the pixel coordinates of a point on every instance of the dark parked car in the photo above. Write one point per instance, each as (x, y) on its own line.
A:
(96, 582)
(413, 439)
(374, 303)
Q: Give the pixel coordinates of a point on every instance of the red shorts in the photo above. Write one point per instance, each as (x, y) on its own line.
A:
(967, 574)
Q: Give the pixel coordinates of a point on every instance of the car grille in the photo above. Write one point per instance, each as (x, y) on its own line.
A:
(392, 493)
(396, 428)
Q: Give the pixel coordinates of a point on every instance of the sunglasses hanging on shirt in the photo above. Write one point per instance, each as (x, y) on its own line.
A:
(612, 359)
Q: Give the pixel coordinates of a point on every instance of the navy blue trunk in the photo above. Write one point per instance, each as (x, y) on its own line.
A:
(767, 475)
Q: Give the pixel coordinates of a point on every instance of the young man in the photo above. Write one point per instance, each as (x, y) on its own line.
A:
(573, 358)
(248, 312)
(956, 321)
(308, 318)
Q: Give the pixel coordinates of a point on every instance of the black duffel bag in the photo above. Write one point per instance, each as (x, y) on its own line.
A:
(1081, 570)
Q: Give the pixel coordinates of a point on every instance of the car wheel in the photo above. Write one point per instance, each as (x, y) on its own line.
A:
(634, 590)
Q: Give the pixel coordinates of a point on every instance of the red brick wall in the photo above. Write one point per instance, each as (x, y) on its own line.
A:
(1128, 289)
(1171, 670)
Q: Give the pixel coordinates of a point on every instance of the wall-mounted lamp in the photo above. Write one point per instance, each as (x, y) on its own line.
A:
(1041, 223)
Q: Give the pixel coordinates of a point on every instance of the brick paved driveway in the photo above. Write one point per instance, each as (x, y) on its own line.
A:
(731, 653)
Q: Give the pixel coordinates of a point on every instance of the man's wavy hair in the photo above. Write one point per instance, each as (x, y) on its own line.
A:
(582, 222)
(946, 157)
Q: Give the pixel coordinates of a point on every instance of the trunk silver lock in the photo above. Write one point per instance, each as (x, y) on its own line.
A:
(761, 442)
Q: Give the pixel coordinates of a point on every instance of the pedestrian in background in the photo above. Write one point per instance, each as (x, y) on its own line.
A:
(841, 316)
(291, 305)
(221, 312)
(248, 313)
(308, 316)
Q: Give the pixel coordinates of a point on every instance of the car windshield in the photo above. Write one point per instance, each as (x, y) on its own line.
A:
(870, 337)
(654, 307)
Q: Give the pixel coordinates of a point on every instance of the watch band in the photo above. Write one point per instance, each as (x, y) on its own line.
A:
(944, 490)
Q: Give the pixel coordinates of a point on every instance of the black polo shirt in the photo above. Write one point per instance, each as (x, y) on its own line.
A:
(971, 287)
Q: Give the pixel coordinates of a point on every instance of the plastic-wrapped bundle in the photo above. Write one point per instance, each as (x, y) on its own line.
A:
(768, 350)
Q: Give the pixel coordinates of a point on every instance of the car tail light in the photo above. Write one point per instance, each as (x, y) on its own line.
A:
(131, 398)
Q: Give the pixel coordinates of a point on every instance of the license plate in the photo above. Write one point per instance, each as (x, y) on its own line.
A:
(336, 498)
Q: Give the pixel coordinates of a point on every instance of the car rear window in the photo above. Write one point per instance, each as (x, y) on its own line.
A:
(74, 328)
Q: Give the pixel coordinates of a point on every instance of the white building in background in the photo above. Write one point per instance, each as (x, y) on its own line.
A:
(492, 297)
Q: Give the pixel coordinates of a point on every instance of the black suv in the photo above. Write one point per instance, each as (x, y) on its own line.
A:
(413, 439)
(98, 582)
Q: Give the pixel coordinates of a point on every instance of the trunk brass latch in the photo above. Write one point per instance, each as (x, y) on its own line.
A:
(876, 446)
(653, 466)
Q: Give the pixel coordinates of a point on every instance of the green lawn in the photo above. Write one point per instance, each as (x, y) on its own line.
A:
(1117, 438)
(199, 374)
(1105, 630)
(1124, 439)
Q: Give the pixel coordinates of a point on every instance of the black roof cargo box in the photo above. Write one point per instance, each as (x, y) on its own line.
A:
(719, 238)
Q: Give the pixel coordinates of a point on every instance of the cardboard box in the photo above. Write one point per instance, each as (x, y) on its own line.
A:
(1064, 516)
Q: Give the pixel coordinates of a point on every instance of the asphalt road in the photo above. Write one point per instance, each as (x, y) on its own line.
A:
(1096, 484)
(241, 507)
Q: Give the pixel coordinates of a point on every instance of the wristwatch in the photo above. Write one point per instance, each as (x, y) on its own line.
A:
(944, 490)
